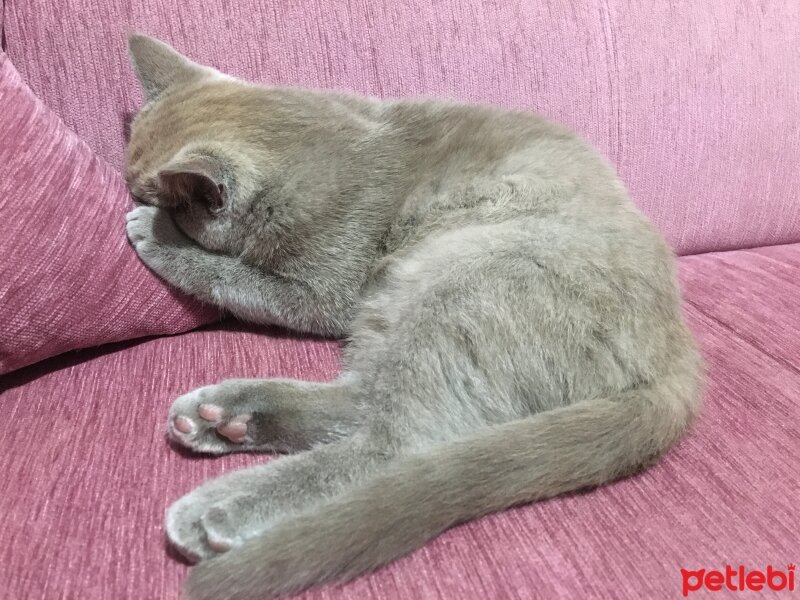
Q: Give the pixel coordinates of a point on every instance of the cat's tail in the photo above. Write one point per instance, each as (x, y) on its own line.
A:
(418, 497)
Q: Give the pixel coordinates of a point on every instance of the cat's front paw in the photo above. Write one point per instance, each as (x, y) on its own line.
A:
(154, 236)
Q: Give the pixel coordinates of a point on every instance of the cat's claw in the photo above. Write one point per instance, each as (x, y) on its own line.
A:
(196, 422)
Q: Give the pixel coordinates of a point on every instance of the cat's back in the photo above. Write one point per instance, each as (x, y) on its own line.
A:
(472, 165)
(500, 191)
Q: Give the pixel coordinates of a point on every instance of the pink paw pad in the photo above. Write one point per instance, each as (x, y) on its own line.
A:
(218, 545)
(210, 412)
(183, 424)
(236, 429)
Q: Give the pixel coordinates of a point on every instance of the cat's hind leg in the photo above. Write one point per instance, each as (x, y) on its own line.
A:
(225, 511)
(281, 415)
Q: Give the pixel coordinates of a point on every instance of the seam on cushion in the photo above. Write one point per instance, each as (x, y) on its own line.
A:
(743, 248)
(751, 342)
(78, 356)
(3, 25)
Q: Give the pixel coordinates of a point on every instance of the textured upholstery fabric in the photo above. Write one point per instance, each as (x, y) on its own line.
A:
(68, 277)
(755, 293)
(697, 103)
(87, 473)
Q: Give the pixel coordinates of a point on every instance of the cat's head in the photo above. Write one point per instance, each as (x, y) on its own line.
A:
(193, 147)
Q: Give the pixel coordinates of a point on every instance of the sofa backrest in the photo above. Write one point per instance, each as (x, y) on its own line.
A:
(697, 103)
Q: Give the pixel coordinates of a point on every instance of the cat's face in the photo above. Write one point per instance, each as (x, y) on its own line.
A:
(253, 171)
(188, 149)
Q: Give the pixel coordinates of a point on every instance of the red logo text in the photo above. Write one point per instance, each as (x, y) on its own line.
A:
(738, 580)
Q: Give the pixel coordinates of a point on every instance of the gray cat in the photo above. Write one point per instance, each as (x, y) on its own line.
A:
(513, 322)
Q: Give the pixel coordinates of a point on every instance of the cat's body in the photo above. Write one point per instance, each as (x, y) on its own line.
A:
(514, 325)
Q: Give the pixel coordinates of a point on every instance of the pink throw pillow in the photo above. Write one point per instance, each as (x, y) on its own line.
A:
(68, 278)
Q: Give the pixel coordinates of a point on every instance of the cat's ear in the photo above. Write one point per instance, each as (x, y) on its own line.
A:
(193, 178)
(159, 66)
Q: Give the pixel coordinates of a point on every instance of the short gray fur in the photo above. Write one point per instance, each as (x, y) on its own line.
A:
(513, 323)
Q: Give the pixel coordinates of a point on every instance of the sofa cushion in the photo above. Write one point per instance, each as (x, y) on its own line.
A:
(68, 278)
(88, 473)
(695, 102)
(754, 293)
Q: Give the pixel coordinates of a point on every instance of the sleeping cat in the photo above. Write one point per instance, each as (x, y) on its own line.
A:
(513, 322)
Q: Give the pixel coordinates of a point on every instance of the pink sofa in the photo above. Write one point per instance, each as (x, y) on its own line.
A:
(698, 105)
